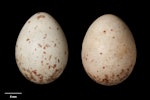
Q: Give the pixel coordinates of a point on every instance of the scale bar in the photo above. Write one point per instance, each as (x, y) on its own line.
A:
(13, 93)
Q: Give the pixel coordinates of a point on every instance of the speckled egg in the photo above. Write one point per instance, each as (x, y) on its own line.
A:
(41, 50)
(108, 50)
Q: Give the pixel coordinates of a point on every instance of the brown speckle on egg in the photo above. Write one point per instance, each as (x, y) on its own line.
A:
(54, 66)
(42, 62)
(34, 72)
(40, 16)
(55, 45)
(103, 67)
(57, 28)
(104, 31)
(27, 39)
(58, 60)
(29, 22)
(54, 75)
(44, 52)
(105, 80)
(39, 45)
(65, 52)
(49, 67)
(113, 37)
(45, 35)
(46, 46)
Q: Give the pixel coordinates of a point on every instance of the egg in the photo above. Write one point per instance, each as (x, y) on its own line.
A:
(108, 50)
(41, 50)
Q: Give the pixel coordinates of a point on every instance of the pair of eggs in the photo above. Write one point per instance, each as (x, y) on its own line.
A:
(108, 50)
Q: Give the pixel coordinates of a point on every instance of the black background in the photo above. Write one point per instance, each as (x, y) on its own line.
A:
(74, 17)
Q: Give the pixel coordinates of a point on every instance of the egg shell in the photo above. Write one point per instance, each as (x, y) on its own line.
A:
(108, 50)
(41, 50)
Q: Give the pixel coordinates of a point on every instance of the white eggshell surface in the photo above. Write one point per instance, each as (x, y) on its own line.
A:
(108, 50)
(41, 49)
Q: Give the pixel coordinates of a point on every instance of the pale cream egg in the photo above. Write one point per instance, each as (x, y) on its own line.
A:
(41, 50)
(108, 50)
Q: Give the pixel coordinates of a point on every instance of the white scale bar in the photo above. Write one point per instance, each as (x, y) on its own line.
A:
(13, 93)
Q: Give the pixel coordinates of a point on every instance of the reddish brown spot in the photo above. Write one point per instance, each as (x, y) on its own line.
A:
(112, 76)
(117, 75)
(47, 63)
(106, 80)
(41, 78)
(29, 21)
(54, 66)
(49, 67)
(104, 31)
(45, 35)
(27, 39)
(101, 53)
(34, 72)
(122, 72)
(42, 62)
(128, 69)
(44, 52)
(65, 52)
(28, 70)
(23, 69)
(57, 28)
(46, 46)
(39, 45)
(113, 37)
(58, 60)
(54, 76)
(40, 16)
(86, 59)
(55, 45)
(103, 67)
(111, 29)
